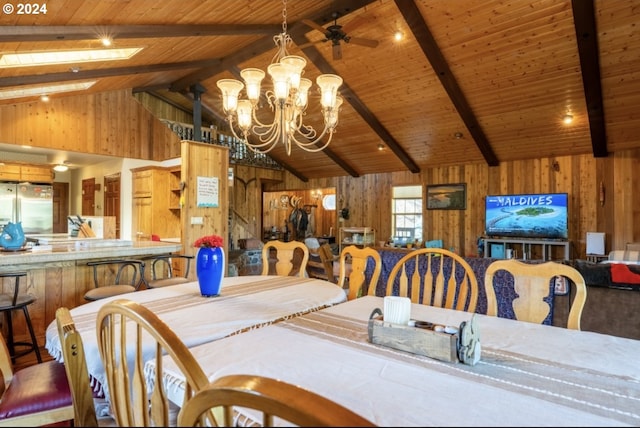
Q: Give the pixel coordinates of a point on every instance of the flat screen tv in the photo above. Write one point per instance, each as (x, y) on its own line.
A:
(527, 216)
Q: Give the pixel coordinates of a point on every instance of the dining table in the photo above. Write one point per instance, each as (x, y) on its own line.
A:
(245, 303)
(528, 374)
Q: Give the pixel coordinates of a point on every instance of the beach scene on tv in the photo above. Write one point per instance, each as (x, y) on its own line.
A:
(527, 216)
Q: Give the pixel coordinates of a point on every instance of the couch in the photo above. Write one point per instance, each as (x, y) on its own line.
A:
(624, 256)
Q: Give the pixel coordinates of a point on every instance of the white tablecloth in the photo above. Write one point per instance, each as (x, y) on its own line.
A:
(528, 375)
(246, 302)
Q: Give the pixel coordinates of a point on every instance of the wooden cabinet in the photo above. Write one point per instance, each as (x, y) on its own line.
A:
(151, 212)
(142, 182)
(36, 174)
(142, 218)
(10, 172)
(30, 173)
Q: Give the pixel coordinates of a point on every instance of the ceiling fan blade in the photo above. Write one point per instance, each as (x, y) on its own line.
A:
(363, 42)
(337, 51)
(315, 26)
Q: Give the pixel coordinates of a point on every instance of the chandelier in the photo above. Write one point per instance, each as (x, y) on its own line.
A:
(287, 100)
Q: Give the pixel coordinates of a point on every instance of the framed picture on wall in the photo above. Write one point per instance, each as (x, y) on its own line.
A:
(447, 196)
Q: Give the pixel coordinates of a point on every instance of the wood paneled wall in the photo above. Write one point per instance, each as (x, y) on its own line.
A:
(369, 197)
(107, 123)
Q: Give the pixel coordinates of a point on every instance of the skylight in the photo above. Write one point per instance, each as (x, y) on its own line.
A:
(29, 59)
(27, 91)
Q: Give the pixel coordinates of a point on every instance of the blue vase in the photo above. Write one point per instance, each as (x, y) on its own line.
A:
(210, 270)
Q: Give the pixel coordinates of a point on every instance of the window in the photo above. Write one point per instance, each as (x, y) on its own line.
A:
(406, 214)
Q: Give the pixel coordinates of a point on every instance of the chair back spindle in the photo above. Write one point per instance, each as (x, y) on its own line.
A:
(435, 277)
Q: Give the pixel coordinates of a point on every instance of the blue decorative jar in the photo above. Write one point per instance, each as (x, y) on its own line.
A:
(12, 236)
(210, 270)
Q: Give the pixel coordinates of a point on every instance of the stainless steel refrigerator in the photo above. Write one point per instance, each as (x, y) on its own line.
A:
(31, 204)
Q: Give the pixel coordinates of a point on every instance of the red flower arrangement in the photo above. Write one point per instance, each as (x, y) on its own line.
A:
(211, 241)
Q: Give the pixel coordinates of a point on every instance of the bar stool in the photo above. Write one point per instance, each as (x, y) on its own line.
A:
(10, 302)
(162, 272)
(115, 277)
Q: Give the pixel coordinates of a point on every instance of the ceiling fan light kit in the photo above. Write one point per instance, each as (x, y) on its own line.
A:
(288, 99)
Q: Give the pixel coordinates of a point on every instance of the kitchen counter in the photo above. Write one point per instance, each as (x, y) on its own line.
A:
(173, 240)
(82, 250)
(58, 275)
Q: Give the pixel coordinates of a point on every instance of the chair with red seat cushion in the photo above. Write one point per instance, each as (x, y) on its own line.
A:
(33, 396)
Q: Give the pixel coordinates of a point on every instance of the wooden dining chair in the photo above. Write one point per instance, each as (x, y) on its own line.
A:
(115, 277)
(290, 258)
(35, 395)
(442, 279)
(532, 284)
(353, 263)
(75, 366)
(320, 264)
(162, 271)
(125, 330)
(271, 398)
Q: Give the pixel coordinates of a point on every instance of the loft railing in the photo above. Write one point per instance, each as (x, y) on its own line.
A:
(238, 152)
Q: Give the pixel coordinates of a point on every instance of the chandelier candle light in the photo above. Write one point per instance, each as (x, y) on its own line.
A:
(287, 100)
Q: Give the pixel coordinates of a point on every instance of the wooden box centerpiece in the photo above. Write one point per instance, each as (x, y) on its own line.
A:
(421, 341)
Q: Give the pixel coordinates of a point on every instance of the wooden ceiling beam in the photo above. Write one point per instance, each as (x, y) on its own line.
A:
(421, 32)
(584, 20)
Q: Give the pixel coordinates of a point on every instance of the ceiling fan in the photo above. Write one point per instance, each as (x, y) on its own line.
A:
(335, 34)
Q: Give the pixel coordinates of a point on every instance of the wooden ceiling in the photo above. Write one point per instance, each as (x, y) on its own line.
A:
(472, 81)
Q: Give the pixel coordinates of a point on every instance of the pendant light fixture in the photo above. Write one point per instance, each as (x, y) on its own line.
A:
(287, 100)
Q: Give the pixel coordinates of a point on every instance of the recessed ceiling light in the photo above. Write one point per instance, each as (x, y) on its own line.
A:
(398, 36)
(29, 59)
(44, 98)
(567, 119)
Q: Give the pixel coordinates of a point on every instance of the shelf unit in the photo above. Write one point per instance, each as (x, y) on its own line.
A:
(175, 190)
(497, 248)
(360, 236)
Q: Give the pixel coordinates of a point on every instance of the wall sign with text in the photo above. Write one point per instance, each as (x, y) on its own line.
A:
(208, 192)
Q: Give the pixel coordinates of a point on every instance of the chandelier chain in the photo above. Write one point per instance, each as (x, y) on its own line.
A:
(284, 16)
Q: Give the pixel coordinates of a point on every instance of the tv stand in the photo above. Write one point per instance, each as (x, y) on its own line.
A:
(523, 246)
